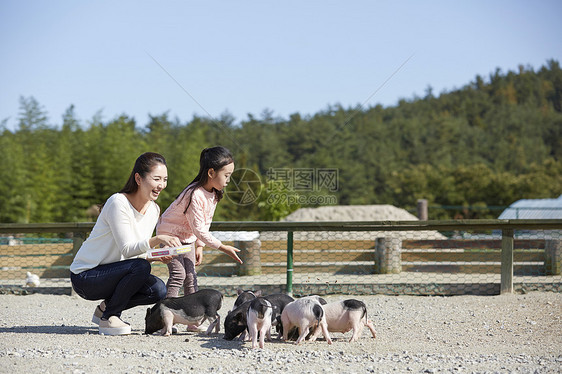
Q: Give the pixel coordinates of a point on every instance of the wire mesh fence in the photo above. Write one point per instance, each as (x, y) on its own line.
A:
(412, 257)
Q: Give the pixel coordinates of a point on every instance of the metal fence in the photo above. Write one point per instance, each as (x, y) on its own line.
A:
(481, 257)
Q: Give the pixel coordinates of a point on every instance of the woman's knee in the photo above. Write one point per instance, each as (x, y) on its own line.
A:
(158, 288)
(143, 266)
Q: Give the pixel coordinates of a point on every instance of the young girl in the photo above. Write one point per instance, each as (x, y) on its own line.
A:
(189, 218)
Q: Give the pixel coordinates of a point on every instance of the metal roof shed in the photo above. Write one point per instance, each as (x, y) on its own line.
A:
(534, 209)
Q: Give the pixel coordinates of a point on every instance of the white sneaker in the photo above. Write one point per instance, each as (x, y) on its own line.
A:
(114, 326)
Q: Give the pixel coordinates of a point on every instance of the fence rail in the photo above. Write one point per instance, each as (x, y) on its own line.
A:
(435, 257)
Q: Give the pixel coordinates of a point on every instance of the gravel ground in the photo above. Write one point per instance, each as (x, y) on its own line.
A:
(460, 334)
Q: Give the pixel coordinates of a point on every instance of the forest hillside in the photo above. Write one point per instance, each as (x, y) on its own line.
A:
(469, 151)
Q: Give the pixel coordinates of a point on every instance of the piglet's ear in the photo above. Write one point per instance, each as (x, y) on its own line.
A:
(257, 293)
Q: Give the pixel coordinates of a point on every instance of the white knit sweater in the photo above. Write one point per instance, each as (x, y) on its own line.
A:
(120, 233)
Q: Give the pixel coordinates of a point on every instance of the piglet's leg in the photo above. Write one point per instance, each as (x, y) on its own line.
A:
(372, 328)
(218, 324)
(253, 334)
(357, 330)
(263, 333)
(286, 327)
(212, 324)
(168, 319)
(304, 333)
(325, 332)
(315, 333)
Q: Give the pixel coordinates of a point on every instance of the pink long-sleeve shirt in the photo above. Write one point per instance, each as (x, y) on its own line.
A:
(193, 225)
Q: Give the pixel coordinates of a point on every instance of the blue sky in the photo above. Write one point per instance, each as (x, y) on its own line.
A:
(207, 57)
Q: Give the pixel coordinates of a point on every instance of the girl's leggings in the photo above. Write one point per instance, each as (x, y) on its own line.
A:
(182, 274)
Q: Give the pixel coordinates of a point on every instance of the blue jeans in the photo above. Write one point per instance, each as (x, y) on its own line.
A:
(123, 285)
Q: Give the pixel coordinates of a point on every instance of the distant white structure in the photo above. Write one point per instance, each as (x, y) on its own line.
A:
(227, 236)
(534, 209)
(350, 213)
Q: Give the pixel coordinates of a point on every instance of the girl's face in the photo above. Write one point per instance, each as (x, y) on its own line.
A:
(219, 179)
(153, 183)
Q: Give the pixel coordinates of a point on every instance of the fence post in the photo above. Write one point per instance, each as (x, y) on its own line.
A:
(250, 253)
(388, 256)
(78, 238)
(290, 263)
(553, 255)
(507, 262)
(422, 209)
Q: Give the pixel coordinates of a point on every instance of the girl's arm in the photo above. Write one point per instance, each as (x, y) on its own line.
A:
(196, 220)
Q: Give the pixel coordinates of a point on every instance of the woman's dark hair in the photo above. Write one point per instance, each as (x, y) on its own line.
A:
(211, 158)
(143, 166)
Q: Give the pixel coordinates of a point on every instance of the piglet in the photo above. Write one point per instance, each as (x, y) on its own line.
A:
(259, 321)
(235, 322)
(304, 313)
(245, 295)
(192, 309)
(278, 302)
(344, 316)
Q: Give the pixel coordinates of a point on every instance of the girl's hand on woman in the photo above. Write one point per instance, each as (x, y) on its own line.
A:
(231, 251)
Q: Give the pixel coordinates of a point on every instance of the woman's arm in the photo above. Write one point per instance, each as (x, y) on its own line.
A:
(165, 240)
(120, 219)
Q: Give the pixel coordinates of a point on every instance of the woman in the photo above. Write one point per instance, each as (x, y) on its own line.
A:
(110, 264)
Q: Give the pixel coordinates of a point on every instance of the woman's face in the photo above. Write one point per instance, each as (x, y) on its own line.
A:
(153, 183)
(219, 179)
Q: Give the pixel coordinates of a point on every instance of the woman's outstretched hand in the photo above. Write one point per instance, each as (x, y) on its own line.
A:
(231, 251)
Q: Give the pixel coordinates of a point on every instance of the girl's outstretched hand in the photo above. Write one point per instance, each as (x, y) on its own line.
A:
(231, 251)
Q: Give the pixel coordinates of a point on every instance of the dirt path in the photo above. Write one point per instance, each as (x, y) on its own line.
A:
(510, 333)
